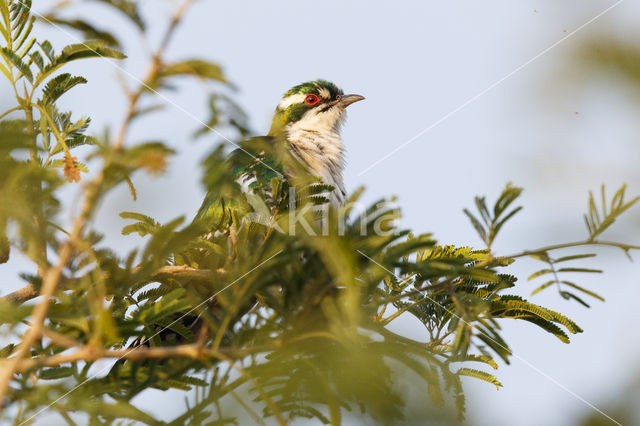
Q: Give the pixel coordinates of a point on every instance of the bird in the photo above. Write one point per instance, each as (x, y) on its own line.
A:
(309, 119)
(310, 116)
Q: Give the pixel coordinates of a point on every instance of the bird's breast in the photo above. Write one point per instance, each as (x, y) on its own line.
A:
(322, 154)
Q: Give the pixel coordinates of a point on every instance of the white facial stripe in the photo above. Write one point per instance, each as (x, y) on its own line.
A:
(324, 93)
(290, 100)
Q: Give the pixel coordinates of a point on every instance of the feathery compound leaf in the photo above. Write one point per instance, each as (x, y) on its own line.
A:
(583, 290)
(58, 86)
(48, 50)
(86, 50)
(129, 8)
(480, 375)
(12, 57)
(543, 286)
(476, 358)
(167, 305)
(568, 295)
(494, 223)
(56, 373)
(20, 15)
(6, 72)
(540, 273)
(192, 67)
(25, 31)
(5, 25)
(477, 225)
(587, 270)
(596, 224)
(89, 31)
(89, 49)
(574, 257)
(549, 327)
(145, 226)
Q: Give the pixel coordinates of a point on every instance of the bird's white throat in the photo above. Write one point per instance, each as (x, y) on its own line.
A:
(316, 142)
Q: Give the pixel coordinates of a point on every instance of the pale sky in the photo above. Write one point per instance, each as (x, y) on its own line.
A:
(465, 96)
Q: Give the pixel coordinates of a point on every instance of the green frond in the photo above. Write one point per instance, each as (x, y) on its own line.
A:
(13, 58)
(548, 326)
(474, 358)
(480, 375)
(58, 86)
(597, 222)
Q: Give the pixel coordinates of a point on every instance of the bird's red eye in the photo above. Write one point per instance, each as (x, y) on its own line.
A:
(312, 100)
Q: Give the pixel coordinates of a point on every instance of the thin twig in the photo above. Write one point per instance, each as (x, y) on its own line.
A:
(154, 68)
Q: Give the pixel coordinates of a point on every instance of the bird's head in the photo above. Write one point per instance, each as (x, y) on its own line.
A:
(314, 106)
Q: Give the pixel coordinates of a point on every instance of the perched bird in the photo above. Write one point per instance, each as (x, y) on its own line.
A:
(308, 119)
(310, 116)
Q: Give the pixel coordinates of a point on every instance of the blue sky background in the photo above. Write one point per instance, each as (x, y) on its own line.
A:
(554, 127)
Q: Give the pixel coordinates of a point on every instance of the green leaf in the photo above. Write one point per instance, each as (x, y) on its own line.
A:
(146, 225)
(44, 133)
(574, 257)
(56, 373)
(509, 194)
(549, 327)
(58, 86)
(48, 50)
(27, 48)
(477, 225)
(24, 35)
(587, 270)
(463, 338)
(10, 56)
(5, 26)
(480, 375)
(584, 290)
(6, 72)
(89, 49)
(475, 358)
(481, 205)
(173, 302)
(191, 67)
(117, 410)
(496, 228)
(543, 286)
(37, 59)
(129, 8)
(540, 273)
(568, 295)
(595, 224)
(89, 31)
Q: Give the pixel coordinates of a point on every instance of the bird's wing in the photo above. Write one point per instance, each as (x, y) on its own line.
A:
(252, 167)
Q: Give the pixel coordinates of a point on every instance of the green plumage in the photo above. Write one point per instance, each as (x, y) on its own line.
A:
(313, 87)
(255, 160)
(310, 153)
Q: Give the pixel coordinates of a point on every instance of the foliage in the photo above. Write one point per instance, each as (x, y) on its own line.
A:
(283, 324)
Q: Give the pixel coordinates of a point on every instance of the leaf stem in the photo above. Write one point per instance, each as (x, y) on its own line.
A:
(622, 246)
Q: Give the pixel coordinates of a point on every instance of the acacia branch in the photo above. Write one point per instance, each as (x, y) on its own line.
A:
(182, 272)
(52, 276)
(622, 246)
(89, 353)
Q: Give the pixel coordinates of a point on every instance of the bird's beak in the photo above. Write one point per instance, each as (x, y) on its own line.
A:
(346, 100)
